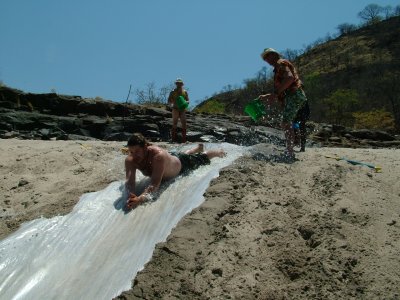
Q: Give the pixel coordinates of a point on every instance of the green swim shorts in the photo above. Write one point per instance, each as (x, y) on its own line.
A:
(191, 162)
(293, 103)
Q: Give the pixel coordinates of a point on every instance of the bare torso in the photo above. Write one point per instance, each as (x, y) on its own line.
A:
(160, 159)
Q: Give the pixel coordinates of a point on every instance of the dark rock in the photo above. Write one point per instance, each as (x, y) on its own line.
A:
(384, 136)
(194, 136)
(46, 116)
(44, 133)
(208, 139)
(10, 135)
(120, 136)
(23, 182)
(76, 137)
(153, 111)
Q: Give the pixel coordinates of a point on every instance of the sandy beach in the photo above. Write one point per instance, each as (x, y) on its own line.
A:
(315, 229)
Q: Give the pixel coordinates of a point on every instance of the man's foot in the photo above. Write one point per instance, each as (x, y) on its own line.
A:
(284, 157)
(288, 157)
(221, 153)
(215, 153)
(200, 147)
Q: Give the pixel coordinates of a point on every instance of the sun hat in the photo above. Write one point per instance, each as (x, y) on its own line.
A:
(268, 51)
(179, 80)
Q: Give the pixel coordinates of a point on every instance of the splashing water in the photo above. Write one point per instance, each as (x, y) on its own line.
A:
(95, 251)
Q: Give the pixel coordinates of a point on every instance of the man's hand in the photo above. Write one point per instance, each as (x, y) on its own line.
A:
(269, 98)
(133, 201)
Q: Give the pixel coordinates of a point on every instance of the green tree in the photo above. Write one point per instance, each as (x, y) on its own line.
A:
(150, 95)
(389, 90)
(387, 11)
(375, 119)
(290, 54)
(371, 13)
(340, 105)
(396, 11)
(212, 107)
(346, 28)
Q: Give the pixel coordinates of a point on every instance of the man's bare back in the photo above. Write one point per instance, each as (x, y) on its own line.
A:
(156, 156)
(156, 163)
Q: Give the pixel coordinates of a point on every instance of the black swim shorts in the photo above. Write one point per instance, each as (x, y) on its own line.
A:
(191, 162)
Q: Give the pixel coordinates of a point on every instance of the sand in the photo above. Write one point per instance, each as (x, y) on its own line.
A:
(46, 178)
(315, 229)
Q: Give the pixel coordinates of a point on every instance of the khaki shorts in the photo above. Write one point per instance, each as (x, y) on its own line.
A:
(293, 103)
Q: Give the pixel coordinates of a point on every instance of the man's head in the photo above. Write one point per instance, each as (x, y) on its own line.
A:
(137, 144)
(270, 55)
(137, 139)
(179, 82)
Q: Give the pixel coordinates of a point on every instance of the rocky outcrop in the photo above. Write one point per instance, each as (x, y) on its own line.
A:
(52, 116)
(62, 117)
(340, 136)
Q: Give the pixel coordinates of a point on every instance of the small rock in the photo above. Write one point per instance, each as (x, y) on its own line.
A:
(217, 272)
(22, 182)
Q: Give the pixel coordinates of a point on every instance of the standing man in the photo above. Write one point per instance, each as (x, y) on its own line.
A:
(288, 91)
(177, 113)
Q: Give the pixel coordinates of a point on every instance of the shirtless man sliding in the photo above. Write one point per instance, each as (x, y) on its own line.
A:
(159, 165)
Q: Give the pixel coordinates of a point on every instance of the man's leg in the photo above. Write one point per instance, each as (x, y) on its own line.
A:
(210, 153)
(175, 116)
(215, 153)
(198, 149)
(303, 134)
(293, 103)
(183, 122)
(289, 135)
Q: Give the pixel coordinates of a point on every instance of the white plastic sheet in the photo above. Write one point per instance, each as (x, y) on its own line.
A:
(95, 251)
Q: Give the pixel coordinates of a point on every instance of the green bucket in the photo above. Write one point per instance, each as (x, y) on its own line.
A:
(181, 103)
(255, 109)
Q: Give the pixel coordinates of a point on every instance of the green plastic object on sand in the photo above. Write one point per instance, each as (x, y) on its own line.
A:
(255, 109)
(181, 103)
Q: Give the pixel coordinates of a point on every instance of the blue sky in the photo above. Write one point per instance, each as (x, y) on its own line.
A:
(99, 47)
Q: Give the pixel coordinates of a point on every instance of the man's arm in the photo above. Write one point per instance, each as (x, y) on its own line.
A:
(157, 174)
(130, 175)
(158, 163)
(171, 98)
(288, 79)
(186, 96)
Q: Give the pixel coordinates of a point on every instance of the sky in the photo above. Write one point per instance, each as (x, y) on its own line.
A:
(98, 48)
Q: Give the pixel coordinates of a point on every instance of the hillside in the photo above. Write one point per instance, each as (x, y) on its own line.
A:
(351, 80)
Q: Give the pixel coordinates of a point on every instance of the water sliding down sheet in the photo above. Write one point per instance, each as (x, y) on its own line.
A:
(95, 251)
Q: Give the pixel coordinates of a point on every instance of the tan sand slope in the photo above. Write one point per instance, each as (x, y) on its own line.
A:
(46, 178)
(317, 228)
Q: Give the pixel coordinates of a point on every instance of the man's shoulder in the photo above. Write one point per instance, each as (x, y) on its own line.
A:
(157, 150)
(130, 161)
(283, 62)
(159, 155)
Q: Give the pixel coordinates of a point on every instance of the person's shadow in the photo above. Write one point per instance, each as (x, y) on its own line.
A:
(120, 203)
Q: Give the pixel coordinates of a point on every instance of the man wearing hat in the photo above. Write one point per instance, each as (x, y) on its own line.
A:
(288, 91)
(178, 112)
